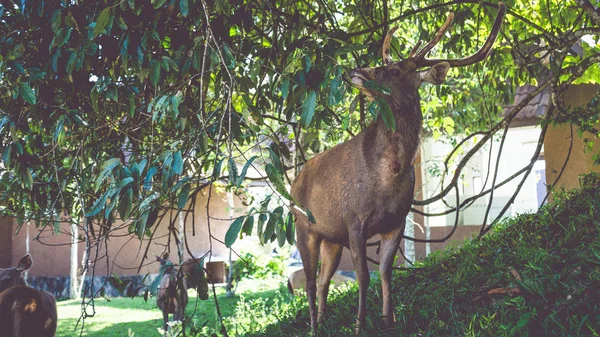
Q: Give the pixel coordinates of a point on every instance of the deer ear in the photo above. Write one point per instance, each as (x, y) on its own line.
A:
(25, 263)
(436, 74)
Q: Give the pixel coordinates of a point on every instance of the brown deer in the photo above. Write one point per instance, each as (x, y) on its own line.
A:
(365, 186)
(172, 296)
(24, 311)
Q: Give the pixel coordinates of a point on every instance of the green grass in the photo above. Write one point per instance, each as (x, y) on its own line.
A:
(552, 258)
(121, 316)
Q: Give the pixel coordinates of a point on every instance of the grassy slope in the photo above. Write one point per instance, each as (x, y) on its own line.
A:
(554, 256)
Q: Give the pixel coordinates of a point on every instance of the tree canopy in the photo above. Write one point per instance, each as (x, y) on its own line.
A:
(124, 109)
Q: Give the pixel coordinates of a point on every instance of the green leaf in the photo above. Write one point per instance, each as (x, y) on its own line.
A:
(242, 175)
(217, 169)
(280, 231)
(377, 87)
(274, 220)
(308, 108)
(306, 63)
(184, 8)
(232, 168)
(233, 231)
(140, 226)
(102, 21)
(171, 63)
(262, 218)
(276, 161)
(124, 182)
(285, 87)
(148, 180)
(126, 203)
(113, 193)
(386, 114)
(275, 177)
(229, 59)
(336, 94)
(26, 178)
(158, 3)
(27, 93)
(177, 163)
(290, 231)
(105, 170)
(182, 198)
(98, 205)
(248, 225)
(58, 130)
(56, 20)
(155, 74)
(62, 37)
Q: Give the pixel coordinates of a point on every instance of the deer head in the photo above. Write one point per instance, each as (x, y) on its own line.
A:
(407, 75)
(14, 276)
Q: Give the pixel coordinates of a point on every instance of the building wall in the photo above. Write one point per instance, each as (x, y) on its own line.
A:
(519, 147)
(5, 241)
(124, 253)
(558, 140)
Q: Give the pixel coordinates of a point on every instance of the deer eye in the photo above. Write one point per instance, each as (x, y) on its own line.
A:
(395, 72)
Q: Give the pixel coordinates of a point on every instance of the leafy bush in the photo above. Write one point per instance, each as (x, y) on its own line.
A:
(258, 266)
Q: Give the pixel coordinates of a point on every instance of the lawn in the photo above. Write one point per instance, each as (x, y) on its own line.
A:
(135, 317)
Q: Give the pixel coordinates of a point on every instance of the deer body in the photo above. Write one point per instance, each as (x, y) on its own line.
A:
(365, 186)
(24, 311)
(172, 296)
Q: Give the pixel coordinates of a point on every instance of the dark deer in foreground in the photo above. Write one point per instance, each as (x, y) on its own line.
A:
(365, 186)
(172, 296)
(24, 311)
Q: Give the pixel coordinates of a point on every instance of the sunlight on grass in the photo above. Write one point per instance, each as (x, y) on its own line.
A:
(121, 315)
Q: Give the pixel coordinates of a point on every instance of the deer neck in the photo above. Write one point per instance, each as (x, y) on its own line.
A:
(405, 140)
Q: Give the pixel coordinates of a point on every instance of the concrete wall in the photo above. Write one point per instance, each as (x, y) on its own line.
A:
(5, 241)
(558, 140)
(124, 252)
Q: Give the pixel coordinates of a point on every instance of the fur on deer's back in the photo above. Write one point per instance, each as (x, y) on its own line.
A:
(24, 311)
(297, 281)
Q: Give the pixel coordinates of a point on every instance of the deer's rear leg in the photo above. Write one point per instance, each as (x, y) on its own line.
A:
(308, 246)
(330, 259)
(389, 246)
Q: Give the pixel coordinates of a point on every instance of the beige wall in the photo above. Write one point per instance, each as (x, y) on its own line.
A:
(556, 144)
(51, 254)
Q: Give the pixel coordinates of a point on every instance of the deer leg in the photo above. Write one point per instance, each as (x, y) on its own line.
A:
(308, 246)
(358, 250)
(389, 246)
(330, 259)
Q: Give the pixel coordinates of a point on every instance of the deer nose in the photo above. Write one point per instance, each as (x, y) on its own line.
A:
(357, 77)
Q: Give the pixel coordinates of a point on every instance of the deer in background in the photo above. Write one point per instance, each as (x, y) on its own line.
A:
(365, 186)
(24, 311)
(172, 296)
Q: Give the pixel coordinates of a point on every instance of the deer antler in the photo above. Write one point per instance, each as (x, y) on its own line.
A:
(438, 36)
(385, 50)
(421, 61)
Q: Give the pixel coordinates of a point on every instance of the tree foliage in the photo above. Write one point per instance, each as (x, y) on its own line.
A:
(122, 109)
